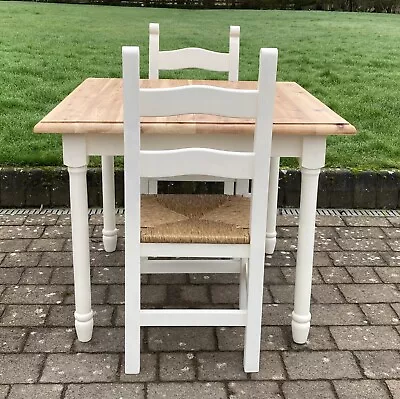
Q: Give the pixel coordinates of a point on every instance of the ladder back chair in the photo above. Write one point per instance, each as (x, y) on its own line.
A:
(199, 58)
(196, 226)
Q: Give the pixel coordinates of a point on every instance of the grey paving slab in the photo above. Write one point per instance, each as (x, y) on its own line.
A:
(14, 245)
(168, 339)
(184, 390)
(379, 364)
(330, 365)
(360, 232)
(101, 391)
(394, 388)
(217, 366)
(27, 294)
(148, 369)
(21, 259)
(337, 314)
(364, 274)
(20, 368)
(370, 293)
(380, 313)
(308, 390)
(36, 275)
(350, 258)
(271, 367)
(12, 232)
(104, 339)
(177, 367)
(4, 391)
(361, 389)
(365, 337)
(36, 391)
(232, 338)
(80, 367)
(254, 390)
(319, 339)
(24, 315)
(12, 339)
(48, 340)
(10, 275)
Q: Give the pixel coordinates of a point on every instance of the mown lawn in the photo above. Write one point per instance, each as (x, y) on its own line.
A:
(349, 61)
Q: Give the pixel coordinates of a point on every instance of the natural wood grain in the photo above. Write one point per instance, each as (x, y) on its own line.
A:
(95, 106)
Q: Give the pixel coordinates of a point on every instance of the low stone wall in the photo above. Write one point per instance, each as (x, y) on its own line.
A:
(49, 187)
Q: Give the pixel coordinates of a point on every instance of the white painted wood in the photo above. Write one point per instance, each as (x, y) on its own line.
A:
(109, 230)
(229, 187)
(195, 250)
(270, 235)
(192, 317)
(234, 45)
(113, 144)
(262, 149)
(243, 284)
(312, 161)
(144, 186)
(131, 76)
(154, 49)
(195, 161)
(162, 266)
(153, 186)
(198, 99)
(198, 161)
(194, 58)
(242, 187)
(75, 158)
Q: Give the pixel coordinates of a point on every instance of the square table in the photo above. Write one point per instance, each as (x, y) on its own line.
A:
(90, 120)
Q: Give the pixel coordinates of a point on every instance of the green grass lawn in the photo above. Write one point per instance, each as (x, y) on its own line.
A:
(349, 61)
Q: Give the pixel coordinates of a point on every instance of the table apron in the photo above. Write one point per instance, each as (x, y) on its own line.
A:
(111, 144)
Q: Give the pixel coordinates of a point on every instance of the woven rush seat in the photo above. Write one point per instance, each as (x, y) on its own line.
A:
(206, 219)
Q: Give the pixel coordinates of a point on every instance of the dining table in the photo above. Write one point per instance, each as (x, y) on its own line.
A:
(90, 120)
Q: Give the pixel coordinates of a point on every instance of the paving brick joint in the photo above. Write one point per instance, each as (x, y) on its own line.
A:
(353, 350)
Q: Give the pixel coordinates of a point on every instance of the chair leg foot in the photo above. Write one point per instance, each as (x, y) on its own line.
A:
(110, 240)
(133, 368)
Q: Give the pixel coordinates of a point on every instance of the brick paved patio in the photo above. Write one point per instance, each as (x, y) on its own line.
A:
(354, 348)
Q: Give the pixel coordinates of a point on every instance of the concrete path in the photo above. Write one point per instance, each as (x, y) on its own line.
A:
(353, 352)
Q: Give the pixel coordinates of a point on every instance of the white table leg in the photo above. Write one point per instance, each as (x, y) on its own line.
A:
(270, 236)
(312, 161)
(109, 229)
(76, 160)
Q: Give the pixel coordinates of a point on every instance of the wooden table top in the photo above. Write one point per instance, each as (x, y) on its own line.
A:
(95, 106)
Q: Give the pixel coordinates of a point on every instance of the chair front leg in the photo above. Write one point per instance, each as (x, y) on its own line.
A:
(109, 229)
(252, 336)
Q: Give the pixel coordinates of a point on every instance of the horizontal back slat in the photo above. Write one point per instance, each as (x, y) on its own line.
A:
(193, 57)
(198, 100)
(196, 161)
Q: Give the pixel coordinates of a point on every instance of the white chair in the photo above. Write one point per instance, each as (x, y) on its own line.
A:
(195, 228)
(198, 58)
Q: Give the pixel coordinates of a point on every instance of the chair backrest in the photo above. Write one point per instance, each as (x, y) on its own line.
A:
(193, 57)
(253, 165)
